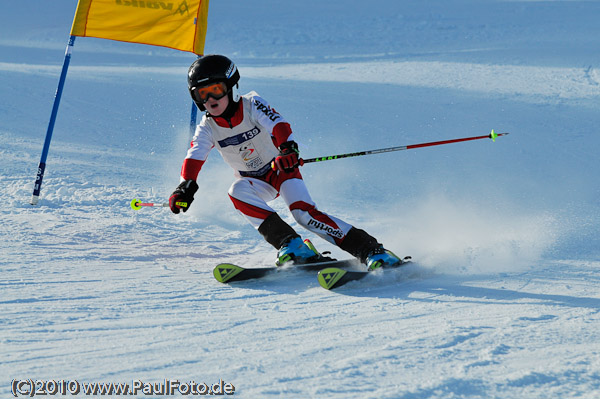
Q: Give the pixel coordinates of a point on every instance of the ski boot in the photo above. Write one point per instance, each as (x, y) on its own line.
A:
(300, 252)
(381, 257)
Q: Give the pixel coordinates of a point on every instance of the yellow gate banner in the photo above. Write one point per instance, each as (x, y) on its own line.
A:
(178, 24)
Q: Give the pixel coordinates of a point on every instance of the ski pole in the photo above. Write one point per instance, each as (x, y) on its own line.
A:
(136, 204)
(493, 135)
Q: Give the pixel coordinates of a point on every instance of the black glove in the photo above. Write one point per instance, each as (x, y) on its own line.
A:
(182, 197)
(288, 159)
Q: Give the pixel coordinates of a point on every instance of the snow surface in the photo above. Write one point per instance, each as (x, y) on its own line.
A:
(503, 300)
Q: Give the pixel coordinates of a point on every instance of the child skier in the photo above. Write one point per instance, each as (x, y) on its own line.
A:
(258, 144)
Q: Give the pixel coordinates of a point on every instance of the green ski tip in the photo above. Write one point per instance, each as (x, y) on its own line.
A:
(329, 277)
(493, 135)
(226, 271)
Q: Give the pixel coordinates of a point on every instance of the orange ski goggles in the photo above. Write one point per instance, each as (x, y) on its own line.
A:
(216, 91)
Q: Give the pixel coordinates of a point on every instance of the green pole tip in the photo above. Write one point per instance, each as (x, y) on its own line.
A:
(493, 135)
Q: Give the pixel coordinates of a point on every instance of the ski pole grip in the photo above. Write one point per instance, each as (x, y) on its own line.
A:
(300, 162)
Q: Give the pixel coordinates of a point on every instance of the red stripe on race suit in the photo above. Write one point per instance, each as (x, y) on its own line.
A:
(249, 209)
(191, 168)
(281, 133)
(276, 178)
(320, 217)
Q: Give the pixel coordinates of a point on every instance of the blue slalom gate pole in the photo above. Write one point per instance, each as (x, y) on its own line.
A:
(193, 115)
(61, 82)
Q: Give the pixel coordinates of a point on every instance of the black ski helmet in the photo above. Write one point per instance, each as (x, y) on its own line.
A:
(210, 69)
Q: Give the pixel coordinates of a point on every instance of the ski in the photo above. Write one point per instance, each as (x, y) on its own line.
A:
(228, 272)
(334, 277)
